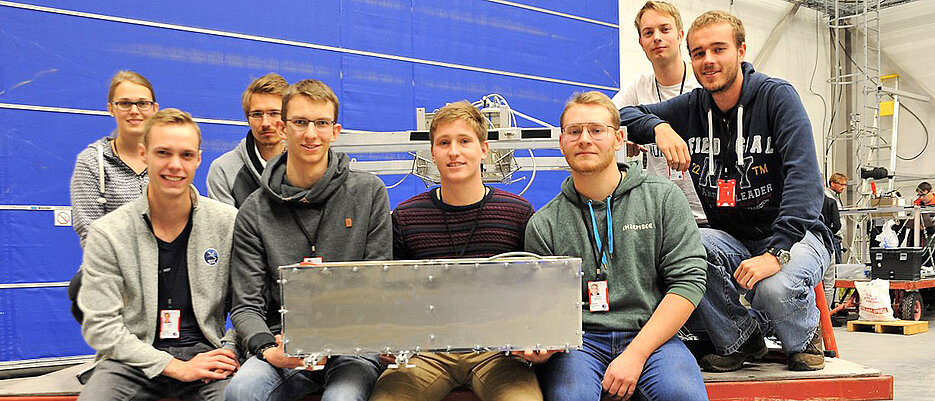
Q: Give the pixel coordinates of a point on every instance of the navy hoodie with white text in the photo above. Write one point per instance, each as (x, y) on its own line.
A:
(778, 188)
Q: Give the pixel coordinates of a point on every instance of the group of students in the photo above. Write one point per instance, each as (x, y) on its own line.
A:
(163, 272)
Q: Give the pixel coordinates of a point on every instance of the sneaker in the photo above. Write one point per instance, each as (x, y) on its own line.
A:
(813, 358)
(752, 349)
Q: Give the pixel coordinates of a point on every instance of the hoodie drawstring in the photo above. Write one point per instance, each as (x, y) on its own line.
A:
(710, 144)
(738, 145)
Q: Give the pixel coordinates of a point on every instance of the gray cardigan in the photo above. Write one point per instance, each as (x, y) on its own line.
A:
(120, 285)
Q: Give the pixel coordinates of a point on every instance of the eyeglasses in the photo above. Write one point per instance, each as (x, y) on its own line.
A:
(258, 115)
(301, 124)
(126, 105)
(598, 131)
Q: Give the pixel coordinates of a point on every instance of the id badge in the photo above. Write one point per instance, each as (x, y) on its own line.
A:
(597, 295)
(311, 261)
(169, 323)
(725, 193)
(675, 175)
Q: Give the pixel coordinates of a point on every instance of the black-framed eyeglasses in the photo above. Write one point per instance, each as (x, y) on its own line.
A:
(126, 105)
(598, 131)
(258, 115)
(301, 124)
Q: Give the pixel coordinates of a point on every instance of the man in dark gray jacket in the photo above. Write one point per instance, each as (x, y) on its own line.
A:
(236, 174)
(310, 205)
(156, 280)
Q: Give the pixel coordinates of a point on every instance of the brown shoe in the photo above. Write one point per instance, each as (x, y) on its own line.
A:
(813, 358)
(752, 349)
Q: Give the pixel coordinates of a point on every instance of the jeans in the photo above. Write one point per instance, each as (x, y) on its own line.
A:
(344, 378)
(782, 305)
(670, 373)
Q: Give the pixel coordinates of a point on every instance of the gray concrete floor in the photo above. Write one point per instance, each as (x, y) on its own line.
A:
(909, 359)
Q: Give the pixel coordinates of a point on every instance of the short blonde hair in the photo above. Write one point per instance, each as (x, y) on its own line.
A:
(269, 84)
(131, 76)
(463, 111)
(659, 7)
(313, 90)
(717, 17)
(837, 177)
(595, 98)
(169, 116)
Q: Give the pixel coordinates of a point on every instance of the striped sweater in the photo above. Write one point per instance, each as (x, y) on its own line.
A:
(121, 185)
(426, 228)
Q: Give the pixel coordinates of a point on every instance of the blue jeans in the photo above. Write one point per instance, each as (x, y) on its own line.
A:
(670, 373)
(347, 378)
(782, 305)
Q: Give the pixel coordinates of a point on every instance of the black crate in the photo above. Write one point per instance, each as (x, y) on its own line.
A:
(897, 263)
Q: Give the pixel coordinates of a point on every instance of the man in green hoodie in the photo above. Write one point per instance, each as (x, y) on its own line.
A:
(643, 264)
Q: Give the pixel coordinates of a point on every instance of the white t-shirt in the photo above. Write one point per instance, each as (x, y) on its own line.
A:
(644, 90)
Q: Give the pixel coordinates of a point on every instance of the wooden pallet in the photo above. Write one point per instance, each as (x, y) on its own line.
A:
(904, 327)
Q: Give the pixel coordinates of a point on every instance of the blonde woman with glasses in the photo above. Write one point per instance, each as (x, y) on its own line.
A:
(110, 171)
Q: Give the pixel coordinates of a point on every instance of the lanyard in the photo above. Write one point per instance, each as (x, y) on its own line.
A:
(308, 236)
(681, 87)
(451, 238)
(597, 236)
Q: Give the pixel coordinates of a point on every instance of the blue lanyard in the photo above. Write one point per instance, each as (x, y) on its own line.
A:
(597, 236)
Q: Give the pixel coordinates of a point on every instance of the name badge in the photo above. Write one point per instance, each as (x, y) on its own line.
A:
(597, 295)
(675, 175)
(725, 193)
(311, 261)
(169, 323)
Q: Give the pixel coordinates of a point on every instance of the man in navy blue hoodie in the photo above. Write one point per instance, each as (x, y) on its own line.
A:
(752, 157)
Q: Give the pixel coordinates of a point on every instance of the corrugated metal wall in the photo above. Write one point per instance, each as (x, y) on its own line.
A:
(383, 58)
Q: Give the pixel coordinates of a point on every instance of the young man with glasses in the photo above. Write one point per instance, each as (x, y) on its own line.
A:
(462, 218)
(660, 34)
(751, 153)
(236, 174)
(310, 205)
(156, 280)
(643, 264)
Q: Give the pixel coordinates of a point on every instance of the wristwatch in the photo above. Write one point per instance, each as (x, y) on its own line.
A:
(781, 254)
(262, 349)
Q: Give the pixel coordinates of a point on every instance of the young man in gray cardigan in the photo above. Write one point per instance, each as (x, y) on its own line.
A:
(156, 280)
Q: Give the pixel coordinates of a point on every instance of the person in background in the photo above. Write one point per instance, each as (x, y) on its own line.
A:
(924, 196)
(110, 171)
(236, 174)
(831, 216)
(660, 34)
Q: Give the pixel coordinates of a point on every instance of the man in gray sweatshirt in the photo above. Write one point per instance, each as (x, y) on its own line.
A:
(156, 280)
(643, 265)
(310, 204)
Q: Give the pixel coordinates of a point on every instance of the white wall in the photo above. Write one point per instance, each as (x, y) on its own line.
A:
(794, 57)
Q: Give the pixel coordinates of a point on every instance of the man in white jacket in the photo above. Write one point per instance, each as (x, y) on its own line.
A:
(156, 280)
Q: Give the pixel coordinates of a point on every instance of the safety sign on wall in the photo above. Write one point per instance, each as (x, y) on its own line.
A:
(62, 216)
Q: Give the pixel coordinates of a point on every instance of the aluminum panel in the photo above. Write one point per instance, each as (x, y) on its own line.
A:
(438, 305)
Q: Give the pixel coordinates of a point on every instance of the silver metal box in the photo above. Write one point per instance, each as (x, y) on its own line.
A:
(403, 307)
